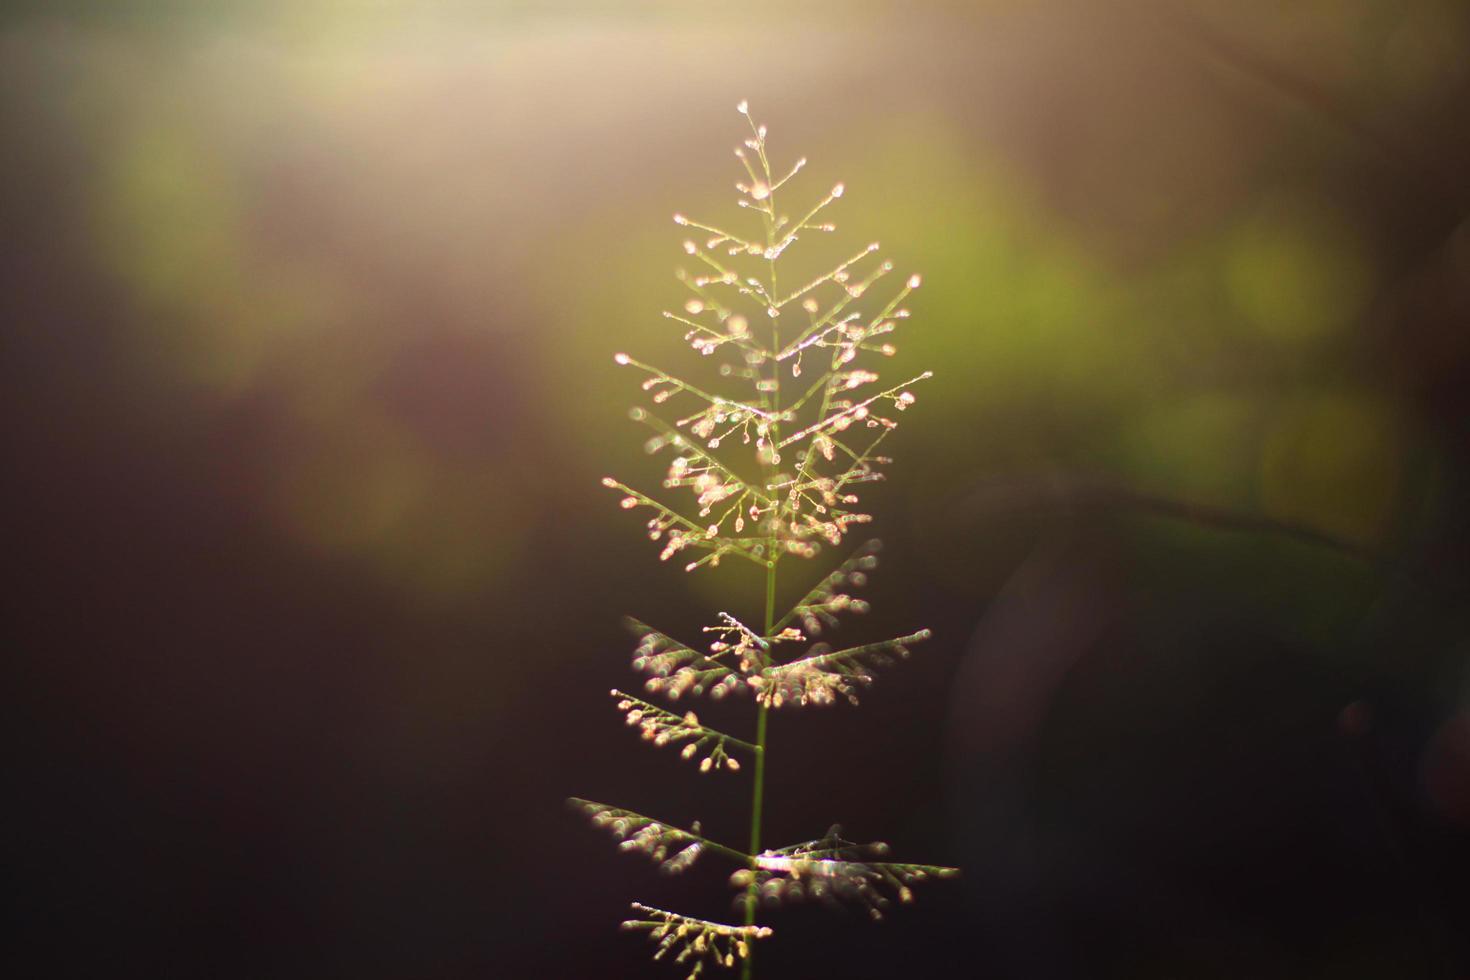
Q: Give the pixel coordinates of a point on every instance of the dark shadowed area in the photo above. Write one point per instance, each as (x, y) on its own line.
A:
(307, 386)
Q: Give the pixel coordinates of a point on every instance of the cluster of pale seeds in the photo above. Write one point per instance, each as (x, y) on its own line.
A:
(790, 509)
(697, 941)
(674, 850)
(667, 728)
(835, 870)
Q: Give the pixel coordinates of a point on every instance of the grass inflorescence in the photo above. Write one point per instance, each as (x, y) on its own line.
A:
(813, 413)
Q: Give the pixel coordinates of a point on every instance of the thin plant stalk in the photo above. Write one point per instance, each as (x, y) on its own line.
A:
(758, 778)
(758, 788)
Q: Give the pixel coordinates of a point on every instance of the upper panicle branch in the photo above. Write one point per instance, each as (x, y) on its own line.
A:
(683, 533)
(732, 329)
(715, 486)
(774, 250)
(693, 461)
(736, 244)
(724, 275)
(839, 275)
(849, 412)
(820, 607)
(665, 386)
(826, 330)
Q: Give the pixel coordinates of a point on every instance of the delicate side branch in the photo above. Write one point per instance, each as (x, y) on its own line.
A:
(654, 838)
(699, 941)
(677, 669)
(683, 533)
(665, 385)
(861, 411)
(666, 728)
(821, 607)
(834, 869)
(820, 678)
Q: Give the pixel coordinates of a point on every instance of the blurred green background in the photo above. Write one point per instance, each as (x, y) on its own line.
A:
(308, 388)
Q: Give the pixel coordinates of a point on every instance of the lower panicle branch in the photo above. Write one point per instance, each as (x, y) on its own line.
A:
(663, 727)
(674, 849)
(694, 941)
(835, 870)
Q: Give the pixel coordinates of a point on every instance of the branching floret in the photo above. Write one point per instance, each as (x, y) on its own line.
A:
(807, 411)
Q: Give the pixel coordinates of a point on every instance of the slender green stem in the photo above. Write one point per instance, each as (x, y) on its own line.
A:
(757, 798)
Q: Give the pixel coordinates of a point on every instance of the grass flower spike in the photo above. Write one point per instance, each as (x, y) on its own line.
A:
(768, 471)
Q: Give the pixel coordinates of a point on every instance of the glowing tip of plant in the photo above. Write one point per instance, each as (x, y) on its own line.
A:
(874, 246)
(679, 219)
(742, 106)
(837, 191)
(622, 359)
(608, 481)
(915, 281)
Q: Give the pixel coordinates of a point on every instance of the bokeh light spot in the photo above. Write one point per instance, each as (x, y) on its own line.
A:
(1333, 462)
(1296, 271)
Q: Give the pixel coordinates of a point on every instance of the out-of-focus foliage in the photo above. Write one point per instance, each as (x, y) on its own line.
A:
(307, 372)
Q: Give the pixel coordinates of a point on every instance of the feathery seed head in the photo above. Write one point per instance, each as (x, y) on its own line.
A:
(829, 427)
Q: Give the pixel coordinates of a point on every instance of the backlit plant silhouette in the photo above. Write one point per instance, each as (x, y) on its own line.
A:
(812, 452)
